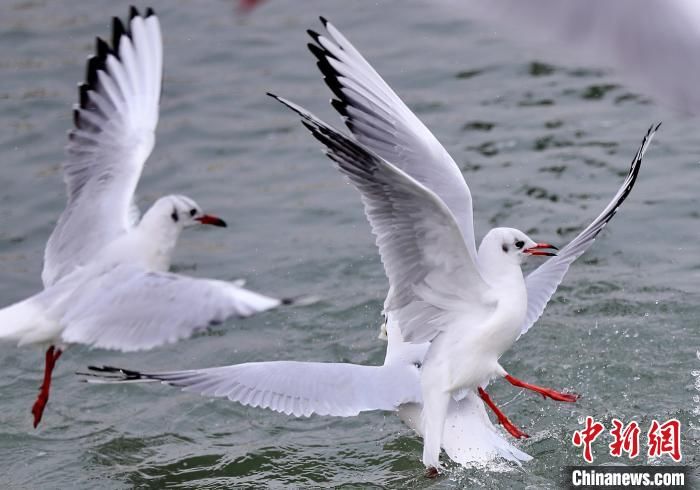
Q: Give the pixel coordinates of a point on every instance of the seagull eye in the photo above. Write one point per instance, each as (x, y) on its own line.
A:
(193, 212)
(174, 216)
(519, 244)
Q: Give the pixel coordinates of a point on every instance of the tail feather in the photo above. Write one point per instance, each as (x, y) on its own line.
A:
(433, 421)
(469, 436)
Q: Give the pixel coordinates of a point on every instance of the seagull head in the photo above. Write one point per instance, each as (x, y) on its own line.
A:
(182, 212)
(512, 245)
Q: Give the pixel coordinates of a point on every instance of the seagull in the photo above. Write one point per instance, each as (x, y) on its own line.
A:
(105, 276)
(470, 305)
(469, 311)
(422, 243)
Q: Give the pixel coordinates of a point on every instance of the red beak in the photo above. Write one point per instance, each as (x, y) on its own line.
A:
(537, 249)
(207, 219)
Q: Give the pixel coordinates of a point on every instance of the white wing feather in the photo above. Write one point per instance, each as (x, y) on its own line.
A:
(295, 388)
(543, 281)
(381, 122)
(113, 136)
(430, 271)
(130, 309)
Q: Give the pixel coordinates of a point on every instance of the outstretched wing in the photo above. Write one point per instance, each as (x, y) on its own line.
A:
(294, 388)
(130, 309)
(543, 281)
(112, 138)
(430, 271)
(379, 119)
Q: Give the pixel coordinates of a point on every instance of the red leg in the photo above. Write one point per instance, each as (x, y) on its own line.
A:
(52, 355)
(502, 419)
(545, 392)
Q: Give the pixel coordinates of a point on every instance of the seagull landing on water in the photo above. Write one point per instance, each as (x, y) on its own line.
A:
(470, 305)
(105, 271)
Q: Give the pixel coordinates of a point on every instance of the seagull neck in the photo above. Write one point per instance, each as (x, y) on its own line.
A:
(497, 271)
(157, 241)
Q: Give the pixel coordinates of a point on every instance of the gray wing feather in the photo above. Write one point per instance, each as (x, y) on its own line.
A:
(543, 281)
(381, 122)
(425, 258)
(112, 138)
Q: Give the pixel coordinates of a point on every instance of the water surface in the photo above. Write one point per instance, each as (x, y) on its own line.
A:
(544, 147)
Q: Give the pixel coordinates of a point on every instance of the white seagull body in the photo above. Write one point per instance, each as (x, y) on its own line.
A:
(105, 271)
(452, 311)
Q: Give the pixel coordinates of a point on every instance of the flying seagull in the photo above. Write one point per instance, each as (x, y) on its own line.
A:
(105, 276)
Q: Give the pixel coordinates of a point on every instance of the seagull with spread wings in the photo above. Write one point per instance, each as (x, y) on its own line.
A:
(471, 305)
(470, 310)
(106, 279)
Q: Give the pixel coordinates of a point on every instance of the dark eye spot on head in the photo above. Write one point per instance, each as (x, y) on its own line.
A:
(193, 212)
(418, 364)
(519, 244)
(174, 216)
(505, 248)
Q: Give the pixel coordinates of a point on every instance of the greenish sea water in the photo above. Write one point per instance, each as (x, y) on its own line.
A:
(543, 147)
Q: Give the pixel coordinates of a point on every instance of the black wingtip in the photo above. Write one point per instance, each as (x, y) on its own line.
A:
(83, 95)
(94, 64)
(340, 106)
(76, 119)
(101, 47)
(126, 373)
(313, 34)
(133, 12)
(304, 300)
(278, 98)
(323, 20)
(150, 12)
(117, 32)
